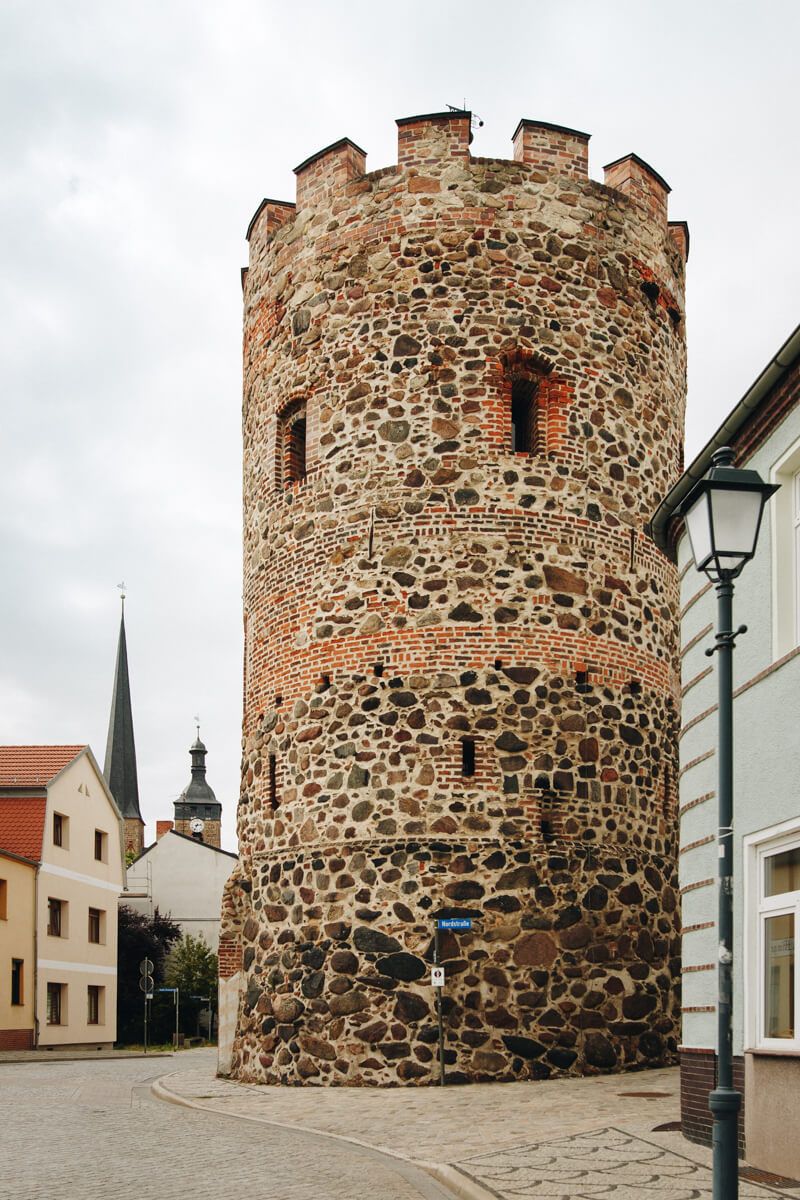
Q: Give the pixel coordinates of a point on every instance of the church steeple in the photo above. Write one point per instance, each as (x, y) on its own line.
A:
(198, 813)
(120, 764)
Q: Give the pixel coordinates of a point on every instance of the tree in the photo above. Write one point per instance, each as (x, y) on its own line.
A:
(192, 967)
(139, 937)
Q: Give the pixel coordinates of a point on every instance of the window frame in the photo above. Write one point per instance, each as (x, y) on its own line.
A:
(758, 848)
(95, 1004)
(291, 452)
(784, 517)
(18, 982)
(96, 922)
(61, 918)
(102, 844)
(60, 830)
(56, 990)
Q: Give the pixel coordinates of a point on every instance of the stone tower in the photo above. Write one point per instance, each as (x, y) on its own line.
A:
(198, 813)
(463, 396)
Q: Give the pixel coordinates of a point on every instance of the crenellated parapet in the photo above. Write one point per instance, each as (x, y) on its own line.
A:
(429, 139)
(552, 148)
(326, 172)
(432, 143)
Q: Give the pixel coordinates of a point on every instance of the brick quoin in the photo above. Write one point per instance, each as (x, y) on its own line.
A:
(424, 582)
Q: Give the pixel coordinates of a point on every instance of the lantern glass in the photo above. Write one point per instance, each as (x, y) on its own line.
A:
(698, 525)
(735, 518)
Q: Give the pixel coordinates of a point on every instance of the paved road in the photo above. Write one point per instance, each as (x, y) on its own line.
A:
(92, 1131)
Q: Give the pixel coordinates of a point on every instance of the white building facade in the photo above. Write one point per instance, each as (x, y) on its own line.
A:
(764, 431)
(183, 877)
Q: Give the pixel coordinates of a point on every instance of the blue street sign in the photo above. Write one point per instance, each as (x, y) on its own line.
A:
(454, 922)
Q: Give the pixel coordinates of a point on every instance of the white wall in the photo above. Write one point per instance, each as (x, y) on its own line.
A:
(185, 880)
(766, 747)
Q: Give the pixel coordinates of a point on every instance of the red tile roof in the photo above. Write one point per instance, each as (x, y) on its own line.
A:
(22, 825)
(32, 766)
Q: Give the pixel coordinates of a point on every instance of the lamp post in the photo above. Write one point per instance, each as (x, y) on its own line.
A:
(723, 516)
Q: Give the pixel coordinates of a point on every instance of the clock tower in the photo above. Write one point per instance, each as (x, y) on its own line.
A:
(198, 813)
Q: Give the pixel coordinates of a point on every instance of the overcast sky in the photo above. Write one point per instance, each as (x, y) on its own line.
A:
(136, 141)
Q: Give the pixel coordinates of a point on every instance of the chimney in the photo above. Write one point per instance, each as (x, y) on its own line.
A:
(162, 827)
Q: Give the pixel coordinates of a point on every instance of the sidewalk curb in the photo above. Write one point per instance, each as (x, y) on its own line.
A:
(60, 1058)
(460, 1186)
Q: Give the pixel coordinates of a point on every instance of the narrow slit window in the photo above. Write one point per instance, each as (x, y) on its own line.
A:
(291, 448)
(467, 757)
(296, 451)
(524, 423)
(273, 780)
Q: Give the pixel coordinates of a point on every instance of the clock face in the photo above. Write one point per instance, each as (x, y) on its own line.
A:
(196, 825)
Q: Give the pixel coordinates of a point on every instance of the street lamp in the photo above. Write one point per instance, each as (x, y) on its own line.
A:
(723, 516)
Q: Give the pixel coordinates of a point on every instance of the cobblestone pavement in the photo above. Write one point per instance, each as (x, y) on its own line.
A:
(567, 1139)
(602, 1163)
(91, 1130)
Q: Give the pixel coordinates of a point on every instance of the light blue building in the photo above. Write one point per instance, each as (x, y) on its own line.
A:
(764, 431)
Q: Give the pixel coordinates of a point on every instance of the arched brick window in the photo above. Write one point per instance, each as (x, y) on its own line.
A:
(528, 394)
(291, 444)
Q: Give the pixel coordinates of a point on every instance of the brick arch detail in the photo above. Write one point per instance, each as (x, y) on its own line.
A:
(554, 396)
(287, 463)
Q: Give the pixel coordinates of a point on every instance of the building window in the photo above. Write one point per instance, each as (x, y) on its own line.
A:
(3, 900)
(60, 826)
(467, 757)
(56, 918)
(96, 923)
(273, 781)
(525, 432)
(56, 1008)
(95, 1003)
(17, 992)
(784, 515)
(776, 868)
(292, 445)
(100, 846)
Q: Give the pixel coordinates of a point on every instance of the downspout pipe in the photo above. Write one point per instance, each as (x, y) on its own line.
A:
(725, 436)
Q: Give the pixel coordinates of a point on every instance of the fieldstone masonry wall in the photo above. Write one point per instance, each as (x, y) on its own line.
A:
(425, 583)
